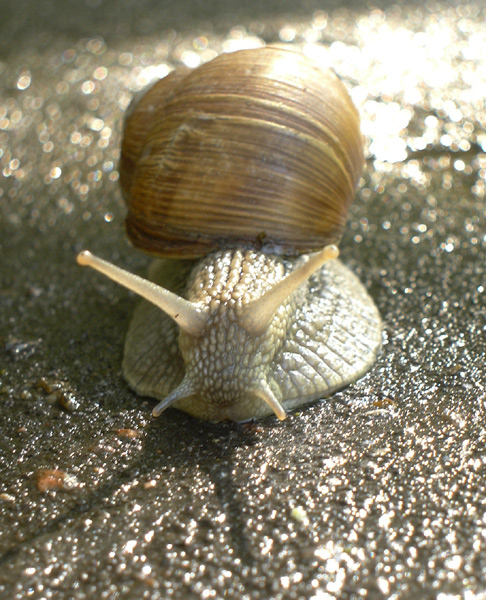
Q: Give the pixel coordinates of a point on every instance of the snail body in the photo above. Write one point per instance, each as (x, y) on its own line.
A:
(242, 172)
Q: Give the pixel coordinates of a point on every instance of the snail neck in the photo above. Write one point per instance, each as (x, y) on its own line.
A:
(257, 283)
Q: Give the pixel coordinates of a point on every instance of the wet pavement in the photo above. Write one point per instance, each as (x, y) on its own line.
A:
(378, 492)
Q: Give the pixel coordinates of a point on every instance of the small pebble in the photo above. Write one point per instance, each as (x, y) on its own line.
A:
(299, 514)
(55, 479)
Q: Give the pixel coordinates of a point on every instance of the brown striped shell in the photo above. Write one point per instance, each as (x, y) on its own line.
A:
(255, 148)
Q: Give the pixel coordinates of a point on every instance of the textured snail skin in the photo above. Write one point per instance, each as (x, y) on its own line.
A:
(326, 335)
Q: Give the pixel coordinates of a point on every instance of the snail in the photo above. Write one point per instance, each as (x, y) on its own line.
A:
(240, 174)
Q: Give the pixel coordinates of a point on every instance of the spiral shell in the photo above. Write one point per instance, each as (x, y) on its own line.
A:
(256, 148)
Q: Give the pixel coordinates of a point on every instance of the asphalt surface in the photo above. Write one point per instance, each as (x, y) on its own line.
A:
(377, 492)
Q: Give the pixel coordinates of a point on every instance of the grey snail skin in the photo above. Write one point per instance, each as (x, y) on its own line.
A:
(239, 175)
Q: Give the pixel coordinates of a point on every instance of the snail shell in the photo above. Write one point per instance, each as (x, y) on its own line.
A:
(257, 148)
(248, 164)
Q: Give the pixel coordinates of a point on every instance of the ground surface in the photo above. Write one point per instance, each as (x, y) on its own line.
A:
(377, 492)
